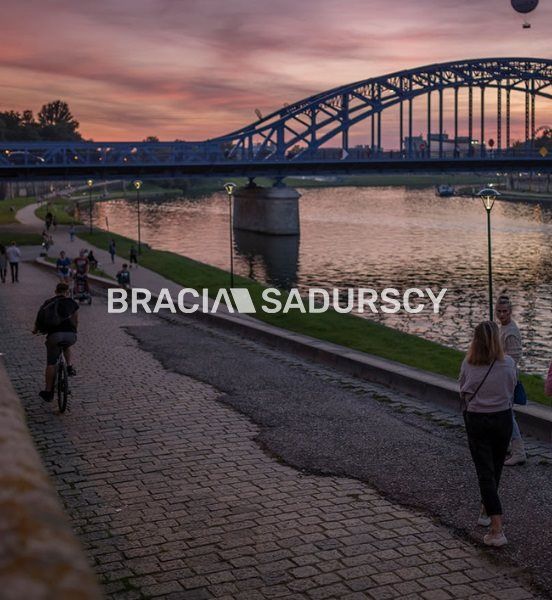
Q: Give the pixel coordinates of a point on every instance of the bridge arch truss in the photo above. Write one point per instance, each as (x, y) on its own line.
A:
(300, 130)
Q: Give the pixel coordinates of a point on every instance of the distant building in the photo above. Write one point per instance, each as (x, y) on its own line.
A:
(419, 146)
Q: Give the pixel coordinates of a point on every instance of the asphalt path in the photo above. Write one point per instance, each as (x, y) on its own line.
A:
(317, 421)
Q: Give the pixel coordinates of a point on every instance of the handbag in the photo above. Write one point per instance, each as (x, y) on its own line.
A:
(520, 395)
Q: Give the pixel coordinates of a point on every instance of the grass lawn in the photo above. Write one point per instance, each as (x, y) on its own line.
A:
(60, 209)
(8, 208)
(346, 330)
(9, 235)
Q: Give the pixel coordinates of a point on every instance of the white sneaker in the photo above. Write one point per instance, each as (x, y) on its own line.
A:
(484, 520)
(516, 459)
(495, 539)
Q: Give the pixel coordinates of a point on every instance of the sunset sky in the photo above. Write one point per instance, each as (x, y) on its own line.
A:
(193, 69)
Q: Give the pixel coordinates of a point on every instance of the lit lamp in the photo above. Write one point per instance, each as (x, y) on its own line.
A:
(230, 187)
(488, 197)
(90, 183)
(137, 186)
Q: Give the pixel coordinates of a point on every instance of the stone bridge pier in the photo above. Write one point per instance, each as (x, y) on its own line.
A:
(273, 210)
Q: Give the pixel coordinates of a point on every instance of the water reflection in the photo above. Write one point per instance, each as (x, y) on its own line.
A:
(377, 238)
(272, 258)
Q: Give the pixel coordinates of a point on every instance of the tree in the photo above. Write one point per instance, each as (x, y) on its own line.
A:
(17, 127)
(151, 138)
(56, 122)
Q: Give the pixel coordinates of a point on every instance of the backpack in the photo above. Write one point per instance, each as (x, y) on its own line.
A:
(49, 316)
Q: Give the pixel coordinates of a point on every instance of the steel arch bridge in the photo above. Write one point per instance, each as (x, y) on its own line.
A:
(314, 134)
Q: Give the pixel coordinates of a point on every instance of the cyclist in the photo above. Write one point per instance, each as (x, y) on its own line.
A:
(57, 318)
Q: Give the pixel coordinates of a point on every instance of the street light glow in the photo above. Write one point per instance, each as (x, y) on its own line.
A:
(137, 184)
(230, 187)
(488, 197)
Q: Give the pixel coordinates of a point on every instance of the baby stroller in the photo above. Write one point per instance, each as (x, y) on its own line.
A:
(81, 291)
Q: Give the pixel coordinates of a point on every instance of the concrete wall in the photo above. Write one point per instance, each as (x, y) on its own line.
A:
(272, 210)
(40, 558)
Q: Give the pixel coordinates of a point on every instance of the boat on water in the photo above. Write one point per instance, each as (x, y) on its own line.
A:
(444, 190)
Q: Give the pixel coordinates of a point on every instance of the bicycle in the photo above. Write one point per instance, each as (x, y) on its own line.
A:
(61, 380)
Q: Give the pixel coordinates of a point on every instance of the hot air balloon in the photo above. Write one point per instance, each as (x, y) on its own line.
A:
(524, 7)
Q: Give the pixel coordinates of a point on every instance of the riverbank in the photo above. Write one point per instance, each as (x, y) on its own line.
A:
(345, 330)
(198, 187)
(348, 331)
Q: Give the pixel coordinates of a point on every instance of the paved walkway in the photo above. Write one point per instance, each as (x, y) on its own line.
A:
(140, 277)
(143, 277)
(173, 497)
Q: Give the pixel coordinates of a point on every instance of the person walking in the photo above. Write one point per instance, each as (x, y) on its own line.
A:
(510, 338)
(92, 260)
(548, 384)
(487, 381)
(133, 256)
(48, 220)
(3, 263)
(72, 232)
(63, 267)
(14, 256)
(123, 277)
(111, 249)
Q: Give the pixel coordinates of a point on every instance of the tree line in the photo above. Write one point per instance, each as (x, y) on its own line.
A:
(54, 122)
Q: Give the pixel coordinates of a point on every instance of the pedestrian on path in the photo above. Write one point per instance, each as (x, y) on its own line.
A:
(111, 249)
(510, 338)
(14, 256)
(92, 260)
(123, 277)
(133, 256)
(548, 384)
(3, 263)
(487, 381)
(72, 232)
(63, 266)
(48, 220)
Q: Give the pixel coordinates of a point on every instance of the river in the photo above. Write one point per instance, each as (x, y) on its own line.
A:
(378, 238)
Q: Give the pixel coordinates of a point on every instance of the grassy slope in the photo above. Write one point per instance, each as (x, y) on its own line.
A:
(346, 330)
(59, 208)
(9, 225)
(7, 215)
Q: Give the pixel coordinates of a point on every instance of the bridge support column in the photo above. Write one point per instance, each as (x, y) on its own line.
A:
(272, 210)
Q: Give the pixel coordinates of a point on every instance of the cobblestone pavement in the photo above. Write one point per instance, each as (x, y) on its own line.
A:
(173, 497)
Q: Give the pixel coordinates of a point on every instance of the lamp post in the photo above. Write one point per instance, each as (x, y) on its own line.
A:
(230, 187)
(90, 183)
(138, 185)
(488, 197)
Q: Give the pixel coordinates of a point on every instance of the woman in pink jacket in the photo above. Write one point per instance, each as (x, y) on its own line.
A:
(548, 384)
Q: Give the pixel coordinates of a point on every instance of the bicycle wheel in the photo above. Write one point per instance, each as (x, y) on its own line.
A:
(62, 386)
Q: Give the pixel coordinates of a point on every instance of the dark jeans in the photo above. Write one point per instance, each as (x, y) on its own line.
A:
(14, 269)
(488, 437)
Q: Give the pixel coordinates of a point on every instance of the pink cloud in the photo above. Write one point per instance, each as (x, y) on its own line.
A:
(198, 68)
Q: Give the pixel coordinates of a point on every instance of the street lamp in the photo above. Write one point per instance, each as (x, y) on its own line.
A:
(138, 185)
(230, 187)
(488, 197)
(90, 183)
